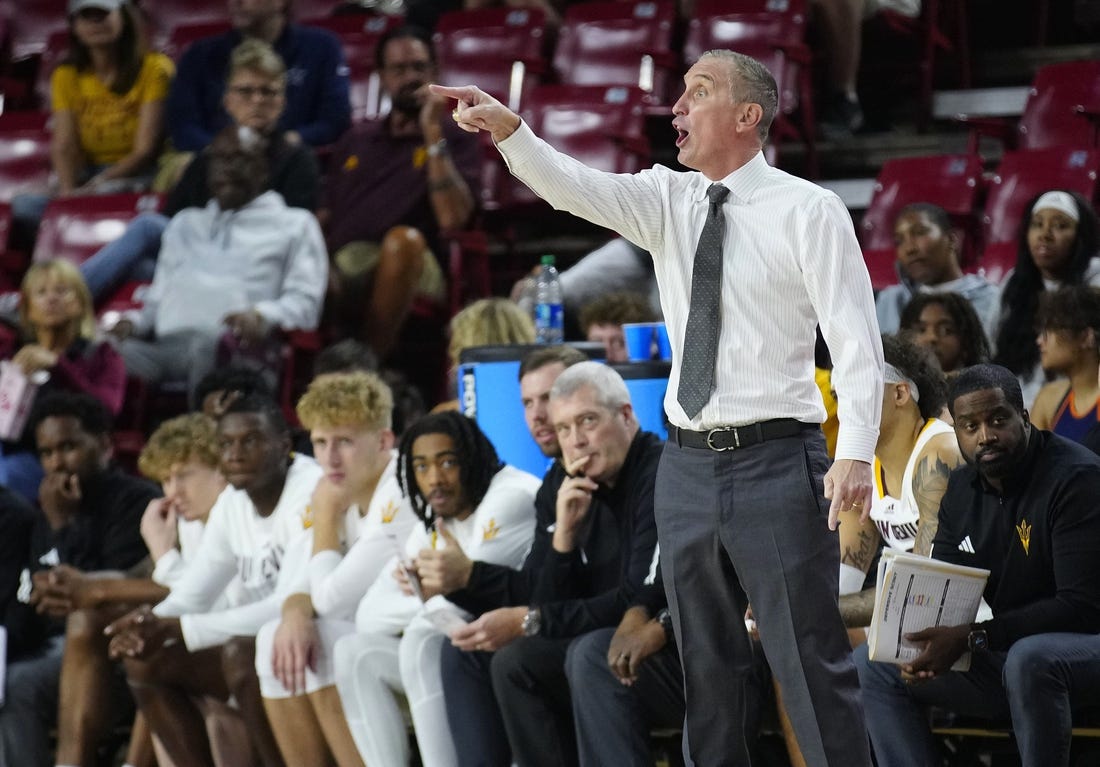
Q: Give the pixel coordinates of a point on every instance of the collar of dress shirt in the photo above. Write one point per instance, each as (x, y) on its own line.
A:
(741, 183)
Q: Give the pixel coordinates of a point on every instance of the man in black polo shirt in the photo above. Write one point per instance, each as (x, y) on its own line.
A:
(88, 526)
(1025, 508)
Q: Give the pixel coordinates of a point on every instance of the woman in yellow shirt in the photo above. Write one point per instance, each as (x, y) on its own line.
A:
(108, 106)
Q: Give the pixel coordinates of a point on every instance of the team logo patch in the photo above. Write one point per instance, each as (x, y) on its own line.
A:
(307, 518)
(1024, 531)
(489, 531)
(389, 511)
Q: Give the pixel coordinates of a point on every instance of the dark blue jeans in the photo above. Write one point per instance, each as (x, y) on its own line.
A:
(1037, 682)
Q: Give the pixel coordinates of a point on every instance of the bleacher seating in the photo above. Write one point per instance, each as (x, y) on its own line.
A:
(602, 126)
(74, 228)
(619, 43)
(502, 50)
(24, 153)
(30, 23)
(1062, 109)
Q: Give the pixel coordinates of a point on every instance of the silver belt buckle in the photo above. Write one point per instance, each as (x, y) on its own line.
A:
(736, 439)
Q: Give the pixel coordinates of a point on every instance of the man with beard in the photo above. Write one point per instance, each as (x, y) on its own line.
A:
(1024, 507)
(393, 185)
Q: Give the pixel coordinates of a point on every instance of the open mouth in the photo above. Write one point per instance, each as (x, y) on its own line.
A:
(681, 136)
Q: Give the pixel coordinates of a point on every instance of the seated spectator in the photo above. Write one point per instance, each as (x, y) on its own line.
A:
(108, 109)
(947, 325)
(486, 322)
(1058, 244)
(200, 641)
(57, 336)
(88, 526)
(1024, 507)
(915, 454)
(393, 186)
(255, 95)
(470, 504)
(245, 263)
(928, 262)
(1068, 406)
(317, 107)
(506, 676)
(182, 456)
(358, 518)
(602, 321)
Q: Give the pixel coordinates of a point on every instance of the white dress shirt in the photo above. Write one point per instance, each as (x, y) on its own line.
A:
(791, 261)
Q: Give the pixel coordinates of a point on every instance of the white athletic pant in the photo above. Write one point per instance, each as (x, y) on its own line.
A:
(370, 669)
(325, 676)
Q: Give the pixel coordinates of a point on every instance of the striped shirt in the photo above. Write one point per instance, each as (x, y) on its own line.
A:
(791, 262)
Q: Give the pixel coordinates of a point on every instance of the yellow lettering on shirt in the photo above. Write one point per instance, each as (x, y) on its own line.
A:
(389, 511)
(307, 518)
(489, 531)
(1024, 531)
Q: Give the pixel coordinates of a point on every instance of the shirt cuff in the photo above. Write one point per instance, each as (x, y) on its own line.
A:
(168, 562)
(518, 147)
(856, 443)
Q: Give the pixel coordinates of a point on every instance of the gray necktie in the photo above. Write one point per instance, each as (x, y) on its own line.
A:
(705, 313)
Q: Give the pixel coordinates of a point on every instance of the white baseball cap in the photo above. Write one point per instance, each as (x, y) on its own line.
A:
(76, 6)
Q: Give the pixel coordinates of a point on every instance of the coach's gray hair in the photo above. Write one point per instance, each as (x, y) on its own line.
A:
(752, 82)
(609, 387)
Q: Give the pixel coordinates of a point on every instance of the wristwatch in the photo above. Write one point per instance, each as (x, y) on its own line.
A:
(438, 149)
(532, 622)
(977, 640)
(664, 617)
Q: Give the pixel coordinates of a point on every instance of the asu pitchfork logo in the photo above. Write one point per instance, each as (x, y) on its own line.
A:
(490, 531)
(1024, 531)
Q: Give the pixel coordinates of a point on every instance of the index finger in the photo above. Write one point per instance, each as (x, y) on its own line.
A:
(465, 93)
(574, 466)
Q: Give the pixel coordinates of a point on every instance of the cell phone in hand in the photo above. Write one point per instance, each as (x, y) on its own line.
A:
(412, 577)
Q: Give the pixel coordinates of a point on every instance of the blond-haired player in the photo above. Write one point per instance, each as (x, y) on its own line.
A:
(357, 516)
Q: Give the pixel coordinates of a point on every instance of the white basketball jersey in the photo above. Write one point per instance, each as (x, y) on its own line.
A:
(897, 518)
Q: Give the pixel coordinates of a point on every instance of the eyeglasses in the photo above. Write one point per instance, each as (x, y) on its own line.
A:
(249, 92)
(415, 67)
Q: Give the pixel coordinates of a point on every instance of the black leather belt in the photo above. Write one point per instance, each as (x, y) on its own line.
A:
(724, 438)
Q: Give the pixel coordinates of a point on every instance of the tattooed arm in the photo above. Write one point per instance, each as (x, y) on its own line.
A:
(940, 457)
(859, 541)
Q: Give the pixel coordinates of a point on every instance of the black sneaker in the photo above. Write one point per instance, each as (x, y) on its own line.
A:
(842, 117)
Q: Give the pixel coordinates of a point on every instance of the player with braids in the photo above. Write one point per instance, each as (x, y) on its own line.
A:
(477, 458)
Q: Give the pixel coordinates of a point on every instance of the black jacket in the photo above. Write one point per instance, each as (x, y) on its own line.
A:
(104, 535)
(1040, 540)
(592, 586)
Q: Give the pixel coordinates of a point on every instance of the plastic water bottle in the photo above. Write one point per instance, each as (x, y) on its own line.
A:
(549, 312)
